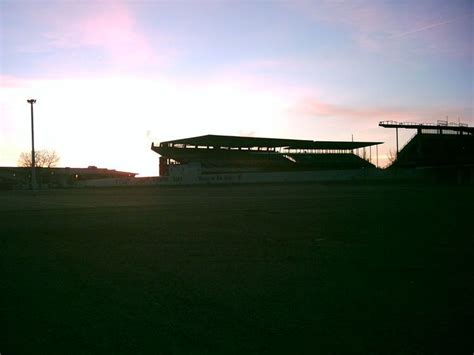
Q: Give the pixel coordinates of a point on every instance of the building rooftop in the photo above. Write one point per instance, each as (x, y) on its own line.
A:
(441, 126)
(251, 142)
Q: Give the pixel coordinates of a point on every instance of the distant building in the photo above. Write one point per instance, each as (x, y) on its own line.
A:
(16, 177)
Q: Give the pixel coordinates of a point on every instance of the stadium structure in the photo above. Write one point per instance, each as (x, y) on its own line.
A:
(440, 152)
(217, 154)
(444, 150)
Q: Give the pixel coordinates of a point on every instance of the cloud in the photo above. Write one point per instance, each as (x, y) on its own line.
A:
(371, 115)
(9, 81)
(108, 31)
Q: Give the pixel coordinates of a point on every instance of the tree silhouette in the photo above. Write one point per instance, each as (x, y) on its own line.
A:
(391, 156)
(365, 156)
(43, 159)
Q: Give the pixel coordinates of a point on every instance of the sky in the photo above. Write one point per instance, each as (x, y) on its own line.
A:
(111, 77)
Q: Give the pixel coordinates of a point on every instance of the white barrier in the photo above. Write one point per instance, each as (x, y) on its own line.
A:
(111, 182)
(270, 177)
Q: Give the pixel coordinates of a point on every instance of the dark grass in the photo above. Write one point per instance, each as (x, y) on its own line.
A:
(238, 269)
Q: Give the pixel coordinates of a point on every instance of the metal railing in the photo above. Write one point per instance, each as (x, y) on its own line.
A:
(441, 123)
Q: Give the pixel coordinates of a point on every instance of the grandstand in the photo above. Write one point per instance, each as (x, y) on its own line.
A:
(437, 145)
(216, 154)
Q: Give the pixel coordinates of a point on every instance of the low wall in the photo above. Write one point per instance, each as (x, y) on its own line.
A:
(358, 175)
(270, 177)
(110, 182)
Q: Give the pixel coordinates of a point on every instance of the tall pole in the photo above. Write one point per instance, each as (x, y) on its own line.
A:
(33, 167)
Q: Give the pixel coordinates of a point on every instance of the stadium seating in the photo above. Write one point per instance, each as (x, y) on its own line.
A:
(330, 161)
(436, 150)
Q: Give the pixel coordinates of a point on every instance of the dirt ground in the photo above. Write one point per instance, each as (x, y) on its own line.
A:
(257, 269)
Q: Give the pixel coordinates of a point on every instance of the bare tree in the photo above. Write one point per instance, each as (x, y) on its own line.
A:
(391, 156)
(365, 156)
(43, 159)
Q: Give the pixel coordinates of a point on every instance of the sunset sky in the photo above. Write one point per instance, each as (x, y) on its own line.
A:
(110, 77)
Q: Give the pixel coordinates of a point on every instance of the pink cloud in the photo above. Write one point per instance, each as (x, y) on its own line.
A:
(112, 28)
(369, 114)
(11, 82)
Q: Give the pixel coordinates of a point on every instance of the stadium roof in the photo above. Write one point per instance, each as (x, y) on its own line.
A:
(440, 126)
(249, 142)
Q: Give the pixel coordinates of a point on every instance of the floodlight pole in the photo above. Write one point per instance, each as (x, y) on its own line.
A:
(33, 167)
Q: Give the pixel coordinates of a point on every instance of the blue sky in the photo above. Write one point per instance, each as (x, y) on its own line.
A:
(110, 77)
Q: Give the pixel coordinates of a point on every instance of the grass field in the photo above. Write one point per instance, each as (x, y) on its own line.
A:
(317, 269)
